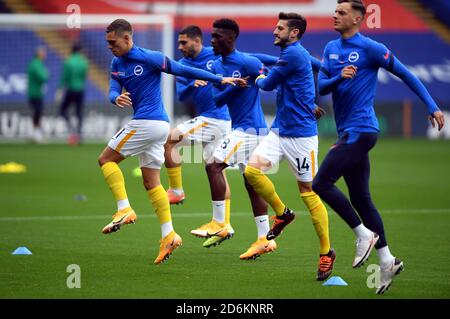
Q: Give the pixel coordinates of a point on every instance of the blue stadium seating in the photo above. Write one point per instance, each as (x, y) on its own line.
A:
(440, 9)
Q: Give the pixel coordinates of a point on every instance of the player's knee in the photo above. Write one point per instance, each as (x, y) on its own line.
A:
(213, 169)
(317, 186)
(362, 201)
(105, 158)
(168, 147)
(171, 143)
(174, 138)
(321, 185)
(209, 168)
(148, 184)
(305, 187)
(101, 160)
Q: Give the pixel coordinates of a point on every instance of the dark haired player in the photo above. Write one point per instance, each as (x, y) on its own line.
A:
(248, 125)
(293, 136)
(349, 72)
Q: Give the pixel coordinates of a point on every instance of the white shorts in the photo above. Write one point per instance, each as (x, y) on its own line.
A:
(144, 138)
(301, 153)
(236, 148)
(205, 130)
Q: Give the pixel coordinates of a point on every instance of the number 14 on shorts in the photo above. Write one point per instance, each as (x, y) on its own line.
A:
(303, 166)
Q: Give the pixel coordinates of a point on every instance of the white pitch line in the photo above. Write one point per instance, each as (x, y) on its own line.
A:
(203, 214)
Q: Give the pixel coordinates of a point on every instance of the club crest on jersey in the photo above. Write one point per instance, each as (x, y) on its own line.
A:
(209, 64)
(138, 70)
(353, 57)
(236, 74)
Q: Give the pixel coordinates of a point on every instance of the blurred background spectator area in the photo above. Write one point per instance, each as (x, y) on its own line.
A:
(417, 31)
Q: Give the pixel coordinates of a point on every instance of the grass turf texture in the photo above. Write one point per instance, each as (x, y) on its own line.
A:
(410, 186)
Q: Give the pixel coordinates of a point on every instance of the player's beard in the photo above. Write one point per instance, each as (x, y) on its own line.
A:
(191, 52)
(281, 41)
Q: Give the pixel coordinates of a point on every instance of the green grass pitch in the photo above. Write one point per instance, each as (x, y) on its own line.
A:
(410, 186)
